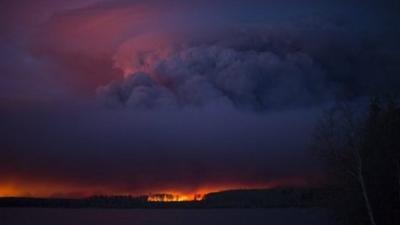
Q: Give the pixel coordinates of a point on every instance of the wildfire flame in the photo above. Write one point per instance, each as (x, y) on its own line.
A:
(174, 197)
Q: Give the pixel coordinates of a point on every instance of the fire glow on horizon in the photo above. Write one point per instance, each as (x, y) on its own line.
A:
(49, 189)
(156, 195)
(174, 197)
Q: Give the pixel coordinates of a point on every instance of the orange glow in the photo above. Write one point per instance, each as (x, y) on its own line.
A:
(8, 190)
(196, 194)
(199, 193)
(18, 188)
(174, 197)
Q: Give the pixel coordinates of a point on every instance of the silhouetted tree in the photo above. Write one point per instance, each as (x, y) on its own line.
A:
(361, 152)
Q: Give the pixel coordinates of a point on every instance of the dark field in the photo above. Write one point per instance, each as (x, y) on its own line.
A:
(34, 216)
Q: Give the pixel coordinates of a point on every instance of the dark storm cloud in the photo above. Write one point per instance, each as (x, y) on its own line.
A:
(259, 68)
(225, 74)
(211, 93)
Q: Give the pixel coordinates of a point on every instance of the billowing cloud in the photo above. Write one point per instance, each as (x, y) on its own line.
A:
(227, 74)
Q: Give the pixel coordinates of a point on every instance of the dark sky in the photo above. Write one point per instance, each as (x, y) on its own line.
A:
(123, 96)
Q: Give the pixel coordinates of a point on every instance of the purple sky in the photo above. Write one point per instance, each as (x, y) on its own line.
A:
(138, 96)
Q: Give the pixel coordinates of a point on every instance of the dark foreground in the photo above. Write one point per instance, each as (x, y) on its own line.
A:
(288, 216)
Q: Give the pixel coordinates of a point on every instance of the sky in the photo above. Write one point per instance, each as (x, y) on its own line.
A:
(138, 97)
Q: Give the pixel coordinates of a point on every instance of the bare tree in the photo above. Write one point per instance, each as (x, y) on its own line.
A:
(338, 140)
(361, 148)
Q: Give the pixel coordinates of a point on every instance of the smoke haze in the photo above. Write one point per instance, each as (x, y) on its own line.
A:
(140, 96)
